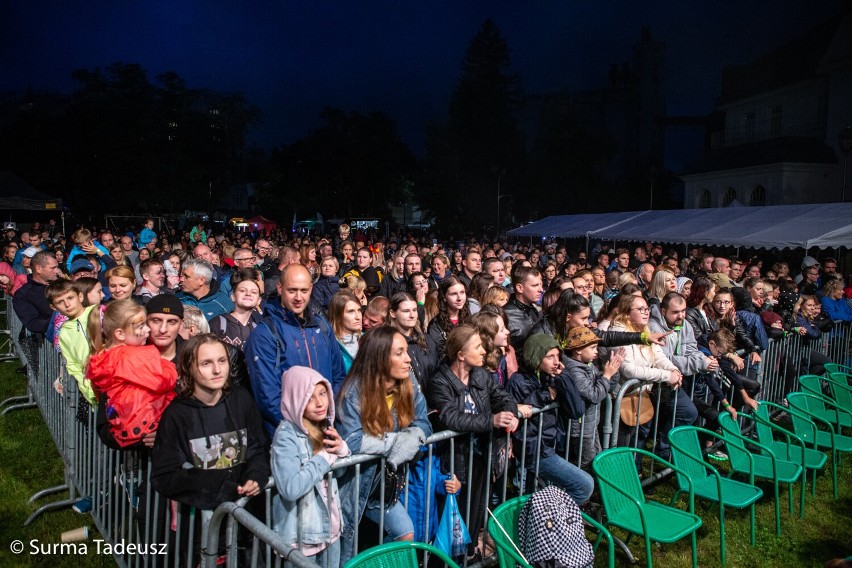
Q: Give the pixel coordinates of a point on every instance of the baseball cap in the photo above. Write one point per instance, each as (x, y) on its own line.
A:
(81, 264)
(30, 252)
(165, 304)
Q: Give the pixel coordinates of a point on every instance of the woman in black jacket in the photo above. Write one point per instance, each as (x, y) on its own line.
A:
(468, 400)
(403, 317)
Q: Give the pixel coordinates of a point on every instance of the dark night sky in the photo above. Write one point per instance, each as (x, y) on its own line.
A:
(294, 58)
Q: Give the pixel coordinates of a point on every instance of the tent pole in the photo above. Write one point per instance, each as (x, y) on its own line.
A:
(587, 246)
(62, 214)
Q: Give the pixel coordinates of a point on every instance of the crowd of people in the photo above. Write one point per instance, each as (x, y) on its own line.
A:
(231, 357)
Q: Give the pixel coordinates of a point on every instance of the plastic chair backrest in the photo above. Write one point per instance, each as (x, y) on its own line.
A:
(764, 431)
(811, 384)
(737, 451)
(507, 515)
(684, 441)
(840, 389)
(397, 554)
(837, 368)
(619, 466)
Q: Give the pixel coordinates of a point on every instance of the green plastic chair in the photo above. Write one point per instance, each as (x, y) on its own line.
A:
(626, 508)
(765, 465)
(838, 368)
(397, 554)
(792, 448)
(506, 542)
(841, 390)
(706, 481)
(825, 410)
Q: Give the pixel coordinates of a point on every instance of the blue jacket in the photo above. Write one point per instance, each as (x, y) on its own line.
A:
(300, 515)
(77, 251)
(31, 306)
(837, 309)
(216, 302)
(324, 288)
(309, 343)
(418, 492)
(754, 327)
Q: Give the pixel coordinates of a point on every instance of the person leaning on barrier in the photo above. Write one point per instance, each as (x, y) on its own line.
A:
(676, 408)
(468, 400)
(544, 380)
(648, 364)
(381, 412)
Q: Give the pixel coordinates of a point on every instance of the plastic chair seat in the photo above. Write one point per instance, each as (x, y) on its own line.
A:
(841, 443)
(397, 554)
(787, 471)
(814, 459)
(665, 524)
(734, 493)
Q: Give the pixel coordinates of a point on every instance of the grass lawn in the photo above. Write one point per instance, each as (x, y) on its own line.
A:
(32, 463)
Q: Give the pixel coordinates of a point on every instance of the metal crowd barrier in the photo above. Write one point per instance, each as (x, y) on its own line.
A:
(125, 511)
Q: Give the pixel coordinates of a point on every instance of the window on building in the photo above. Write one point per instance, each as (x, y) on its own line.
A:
(748, 126)
(775, 121)
(729, 196)
(758, 196)
(704, 199)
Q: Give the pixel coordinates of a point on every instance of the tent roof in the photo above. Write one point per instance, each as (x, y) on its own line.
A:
(15, 193)
(778, 226)
(261, 220)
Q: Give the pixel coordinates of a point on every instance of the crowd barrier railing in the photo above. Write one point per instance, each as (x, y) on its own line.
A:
(125, 512)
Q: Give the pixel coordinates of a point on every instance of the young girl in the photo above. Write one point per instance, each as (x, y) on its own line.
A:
(135, 381)
(307, 512)
(92, 290)
(211, 443)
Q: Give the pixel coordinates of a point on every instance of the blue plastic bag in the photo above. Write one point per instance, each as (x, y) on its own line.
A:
(452, 537)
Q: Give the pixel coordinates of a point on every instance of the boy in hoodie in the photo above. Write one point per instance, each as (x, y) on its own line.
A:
(542, 382)
(306, 513)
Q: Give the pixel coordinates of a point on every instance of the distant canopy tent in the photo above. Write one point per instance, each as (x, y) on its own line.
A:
(15, 193)
(261, 222)
(826, 225)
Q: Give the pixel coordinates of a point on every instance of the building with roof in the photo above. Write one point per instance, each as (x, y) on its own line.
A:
(776, 139)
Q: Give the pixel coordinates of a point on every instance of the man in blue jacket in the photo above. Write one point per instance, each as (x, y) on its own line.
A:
(290, 335)
(200, 289)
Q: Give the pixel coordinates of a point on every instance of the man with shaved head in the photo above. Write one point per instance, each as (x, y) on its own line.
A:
(290, 335)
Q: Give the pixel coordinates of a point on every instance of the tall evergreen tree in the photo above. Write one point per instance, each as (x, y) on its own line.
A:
(479, 149)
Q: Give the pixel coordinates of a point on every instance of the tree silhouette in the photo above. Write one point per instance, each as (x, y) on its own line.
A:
(480, 144)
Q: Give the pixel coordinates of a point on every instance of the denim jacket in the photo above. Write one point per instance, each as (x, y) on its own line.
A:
(348, 424)
(299, 513)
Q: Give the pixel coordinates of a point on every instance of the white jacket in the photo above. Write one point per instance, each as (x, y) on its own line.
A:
(644, 362)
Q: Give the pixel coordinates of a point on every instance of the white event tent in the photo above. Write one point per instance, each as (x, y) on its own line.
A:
(827, 225)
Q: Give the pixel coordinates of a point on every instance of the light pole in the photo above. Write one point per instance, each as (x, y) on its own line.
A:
(499, 197)
(845, 141)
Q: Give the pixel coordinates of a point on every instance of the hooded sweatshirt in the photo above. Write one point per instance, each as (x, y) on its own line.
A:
(302, 513)
(203, 453)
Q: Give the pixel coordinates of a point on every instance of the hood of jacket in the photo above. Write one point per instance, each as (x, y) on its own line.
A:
(297, 387)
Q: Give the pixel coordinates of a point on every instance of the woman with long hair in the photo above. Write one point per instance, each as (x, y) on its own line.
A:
(382, 412)
(648, 363)
(469, 400)
(452, 310)
(662, 282)
(699, 306)
(308, 258)
(500, 357)
(403, 317)
(121, 281)
(479, 284)
(344, 315)
(551, 269)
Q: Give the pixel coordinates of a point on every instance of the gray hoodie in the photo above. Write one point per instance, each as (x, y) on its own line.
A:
(681, 347)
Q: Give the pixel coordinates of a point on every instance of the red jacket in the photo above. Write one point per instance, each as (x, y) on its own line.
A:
(138, 385)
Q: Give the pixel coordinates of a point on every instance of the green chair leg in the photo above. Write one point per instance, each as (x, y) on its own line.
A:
(752, 519)
(777, 509)
(695, 551)
(722, 531)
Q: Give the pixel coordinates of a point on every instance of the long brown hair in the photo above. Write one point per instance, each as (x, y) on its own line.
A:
(337, 307)
(369, 370)
(485, 322)
(189, 362)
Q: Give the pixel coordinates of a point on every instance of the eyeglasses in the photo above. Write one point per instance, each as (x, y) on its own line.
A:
(252, 257)
(723, 302)
(642, 310)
